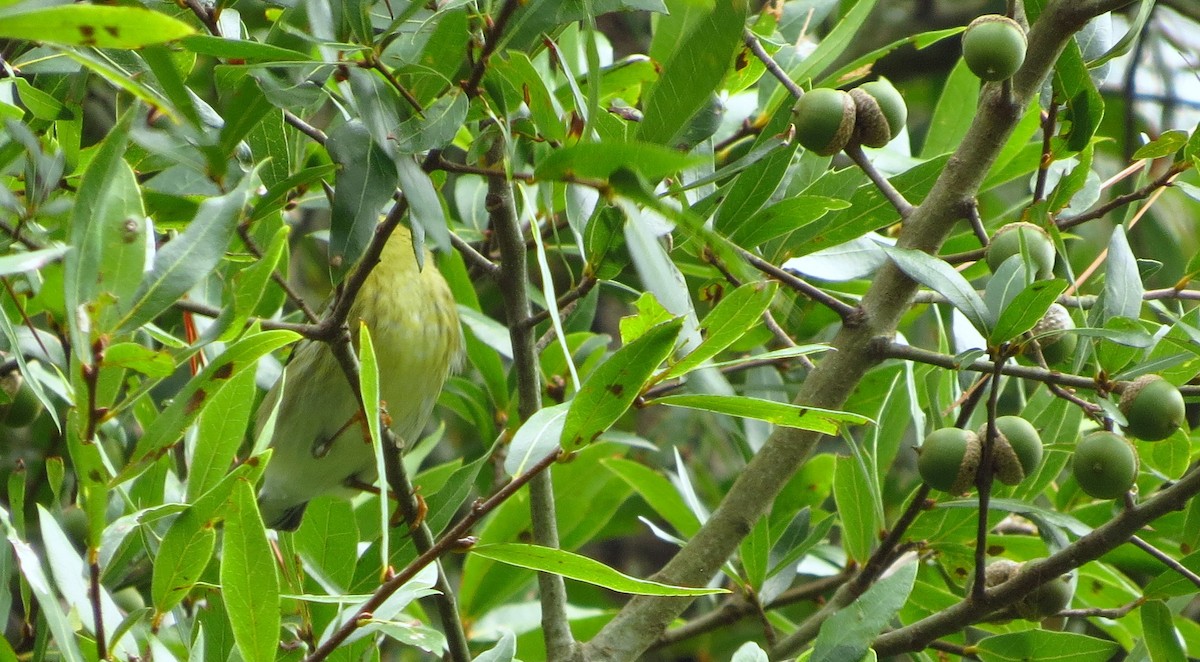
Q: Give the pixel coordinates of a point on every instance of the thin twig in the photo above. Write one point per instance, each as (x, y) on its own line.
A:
(751, 41)
(973, 217)
(19, 236)
(307, 129)
(985, 474)
(1097, 612)
(737, 609)
(891, 193)
(276, 277)
(1142, 193)
(844, 310)
(572, 295)
(491, 41)
(1049, 123)
(377, 65)
(473, 257)
(1165, 559)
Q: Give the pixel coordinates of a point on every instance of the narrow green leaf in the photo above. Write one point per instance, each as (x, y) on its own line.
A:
(202, 44)
(1026, 309)
(435, 127)
(784, 217)
(1158, 627)
(536, 438)
(658, 493)
(1122, 281)
(848, 634)
(1169, 583)
(856, 507)
(368, 386)
(425, 205)
(694, 70)
(943, 279)
(611, 389)
(248, 287)
(736, 313)
(603, 159)
(88, 234)
(365, 181)
(825, 421)
(248, 582)
(954, 112)
(580, 568)
(34, 575)
(327, 540)
(167, 428)
(100, 26)
(182, 556)
(1045, 645)
(219, 433)
(15, 263)
(190, 256)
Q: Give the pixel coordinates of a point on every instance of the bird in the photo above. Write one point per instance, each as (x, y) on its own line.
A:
(320, 441)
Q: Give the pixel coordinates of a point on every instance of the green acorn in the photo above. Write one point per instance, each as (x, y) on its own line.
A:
(948, 459)
(1017, 452)
(1048, 599)
(994, 47)
(880, 113)
(1007, 243)
(1153, 407)
(1056, 345)
(825, 120)
(1105, 465)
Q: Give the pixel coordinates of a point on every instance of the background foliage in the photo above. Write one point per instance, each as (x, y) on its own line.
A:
(735, 365)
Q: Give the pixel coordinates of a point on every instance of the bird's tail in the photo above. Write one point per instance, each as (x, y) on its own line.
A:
(280, 516)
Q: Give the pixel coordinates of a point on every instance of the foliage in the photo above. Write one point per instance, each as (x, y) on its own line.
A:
(688, 338)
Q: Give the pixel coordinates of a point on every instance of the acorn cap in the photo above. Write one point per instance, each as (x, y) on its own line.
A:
(825, 120)
(1017, 453)
(1056, 345)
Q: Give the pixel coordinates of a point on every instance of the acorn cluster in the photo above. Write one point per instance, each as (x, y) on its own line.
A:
(949, 458)
(1042, 602)
(828, 120)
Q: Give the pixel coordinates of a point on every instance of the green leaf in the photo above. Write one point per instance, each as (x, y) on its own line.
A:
(219, 433)
(1026, 309)
(1169, 583)
(182, 556)
(248, 582)
(436, 128)
(954, 112)
(34, 575)
(1122, 280)
(1158, 628)
(580, 568)
(15, 263)
(848, 634)
(100, 26)
(239, 49)
(88, 234)
(740, 212)
(856, 504)
(1045, 645)
(536, 438)
(694, 70)
(825, 421)
(368, 387)
(601, 160)
(783, 217)
(835, 43)
(365, 181)
(328, 540)
(425, 206)
(248, 287)
(943, 279)
(611, 389)
(166, 429)
(658, 493)
(732, 317)
(189, 257)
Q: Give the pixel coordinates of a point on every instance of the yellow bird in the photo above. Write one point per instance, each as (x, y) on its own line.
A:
(320, 442)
